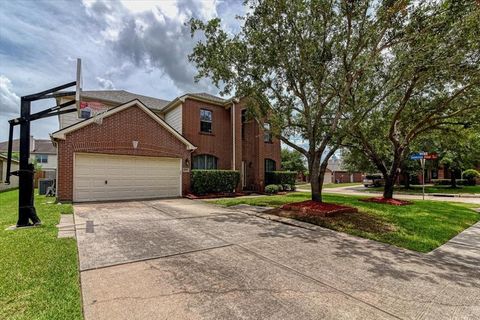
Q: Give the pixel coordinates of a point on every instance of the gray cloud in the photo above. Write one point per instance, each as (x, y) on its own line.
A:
(153, 39)
(9, 101)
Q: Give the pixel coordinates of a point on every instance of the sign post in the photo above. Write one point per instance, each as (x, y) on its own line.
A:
(422, 156)
(422, 162)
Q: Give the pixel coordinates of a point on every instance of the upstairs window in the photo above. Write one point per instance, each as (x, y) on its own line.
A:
(267, 135)
(204, 162)
(205, 121)
(41, 158)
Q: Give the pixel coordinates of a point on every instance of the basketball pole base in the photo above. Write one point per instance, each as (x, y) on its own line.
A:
(27, 214)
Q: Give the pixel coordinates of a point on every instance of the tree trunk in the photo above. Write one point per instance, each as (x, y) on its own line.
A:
(388, 188)
(453, 181)
(316, 185)
(406, 180)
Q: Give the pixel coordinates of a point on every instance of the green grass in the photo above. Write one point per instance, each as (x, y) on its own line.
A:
(330, 185)
(432, 189)
(39, 277)
(422, 226)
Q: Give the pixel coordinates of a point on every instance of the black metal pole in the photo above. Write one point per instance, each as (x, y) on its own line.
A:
(26, 209)
(9, 154)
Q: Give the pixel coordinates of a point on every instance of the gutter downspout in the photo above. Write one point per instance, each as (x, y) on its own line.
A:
(233, 135)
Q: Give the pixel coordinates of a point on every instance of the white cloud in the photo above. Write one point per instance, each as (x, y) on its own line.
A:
(9, 101)
(105, 84)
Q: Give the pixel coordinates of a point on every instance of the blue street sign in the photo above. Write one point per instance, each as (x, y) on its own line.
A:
(416, 156)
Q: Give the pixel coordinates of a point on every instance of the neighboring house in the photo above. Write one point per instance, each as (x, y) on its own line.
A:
(336, 173)
(3, 173)
(42, 151)
(128, 146)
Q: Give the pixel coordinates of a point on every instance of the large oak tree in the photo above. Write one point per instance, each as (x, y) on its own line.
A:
(428, 79)
(298, 62)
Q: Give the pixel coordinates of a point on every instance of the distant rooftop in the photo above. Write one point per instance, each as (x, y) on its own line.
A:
(38, 146)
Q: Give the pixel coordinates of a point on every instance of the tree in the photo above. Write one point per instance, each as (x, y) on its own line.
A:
(296, 62)
(292, 160)
(456, 149)
(428, 79)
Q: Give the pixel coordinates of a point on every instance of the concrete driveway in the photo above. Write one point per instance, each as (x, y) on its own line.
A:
(184, 259)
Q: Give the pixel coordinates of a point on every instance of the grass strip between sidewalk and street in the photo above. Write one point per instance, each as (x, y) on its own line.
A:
(421, 226)
(39, 275)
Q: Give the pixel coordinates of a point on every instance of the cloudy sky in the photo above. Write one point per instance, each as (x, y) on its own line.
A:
(138, 46)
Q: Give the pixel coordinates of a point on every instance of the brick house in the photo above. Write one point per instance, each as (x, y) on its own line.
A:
(127, 146)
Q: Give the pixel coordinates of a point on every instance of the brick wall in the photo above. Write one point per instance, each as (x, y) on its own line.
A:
(219, 142)
(253, 150)
(115, 136)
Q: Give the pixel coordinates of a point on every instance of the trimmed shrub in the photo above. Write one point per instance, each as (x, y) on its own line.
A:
(470, 175)
(280, 177)
(271, 189)
(441, 182)
(214, 181)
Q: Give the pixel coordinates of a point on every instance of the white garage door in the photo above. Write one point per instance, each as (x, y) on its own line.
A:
(100, 177)
(327, 178)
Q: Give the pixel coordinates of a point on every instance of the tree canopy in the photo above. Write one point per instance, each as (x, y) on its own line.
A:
(298, 63)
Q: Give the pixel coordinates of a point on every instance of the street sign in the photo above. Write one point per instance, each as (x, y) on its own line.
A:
(416, 157)
(431, 156)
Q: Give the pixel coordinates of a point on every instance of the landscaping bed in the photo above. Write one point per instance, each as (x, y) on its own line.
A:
(217, 195)
(322, 209)
(392, 202)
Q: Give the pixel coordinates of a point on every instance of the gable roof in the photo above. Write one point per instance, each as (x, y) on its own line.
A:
(122, 96)
(61, 134)
(39, 145)
(200, 96)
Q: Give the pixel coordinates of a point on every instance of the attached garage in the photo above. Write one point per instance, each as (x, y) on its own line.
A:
(131, 154)
(99, 177)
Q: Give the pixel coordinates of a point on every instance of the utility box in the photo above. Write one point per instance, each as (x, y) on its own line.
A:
(43, 185)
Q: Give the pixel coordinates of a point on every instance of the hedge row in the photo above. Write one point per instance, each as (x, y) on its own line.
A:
(280, 177)
(447, 182)
(214, 181)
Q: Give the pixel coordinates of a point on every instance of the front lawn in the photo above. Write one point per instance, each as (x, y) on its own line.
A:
(39, 276)
(422, 226)
(432, 189)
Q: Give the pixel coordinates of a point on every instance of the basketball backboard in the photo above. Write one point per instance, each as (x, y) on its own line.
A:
(78, 87)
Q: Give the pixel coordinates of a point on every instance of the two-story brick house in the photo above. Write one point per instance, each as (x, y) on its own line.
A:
(142, 147)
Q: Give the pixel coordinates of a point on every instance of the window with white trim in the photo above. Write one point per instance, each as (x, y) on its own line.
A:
(205, 121)
(204, 162)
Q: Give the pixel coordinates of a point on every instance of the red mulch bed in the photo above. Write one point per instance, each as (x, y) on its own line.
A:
(216, 195)
(392, 202)
(322, 209)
